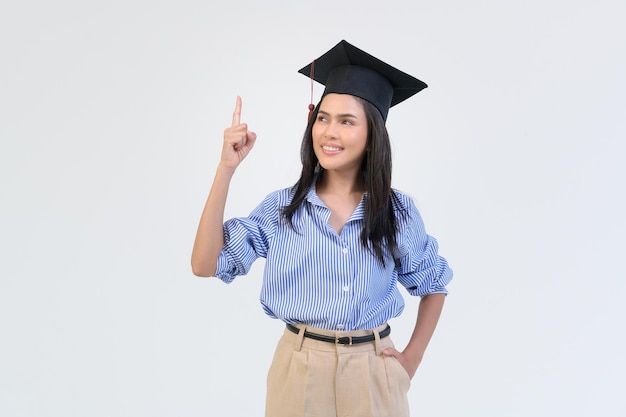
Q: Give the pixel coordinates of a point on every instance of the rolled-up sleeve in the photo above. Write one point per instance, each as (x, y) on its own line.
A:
(421, 270)
(246, 239)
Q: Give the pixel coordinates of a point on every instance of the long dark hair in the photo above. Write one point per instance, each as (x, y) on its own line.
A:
(380, 223)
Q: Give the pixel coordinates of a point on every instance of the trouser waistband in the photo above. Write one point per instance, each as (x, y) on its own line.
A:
(341, 340)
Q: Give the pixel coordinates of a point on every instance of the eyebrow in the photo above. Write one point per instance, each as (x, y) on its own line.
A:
(342, 115)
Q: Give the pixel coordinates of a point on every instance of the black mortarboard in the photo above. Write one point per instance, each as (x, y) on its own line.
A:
(345, 69)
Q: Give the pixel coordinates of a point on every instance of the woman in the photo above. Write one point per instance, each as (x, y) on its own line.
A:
(336, 245)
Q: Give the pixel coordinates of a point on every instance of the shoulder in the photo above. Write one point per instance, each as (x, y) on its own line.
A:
(402, 203)
(280, 197)
(406, 212)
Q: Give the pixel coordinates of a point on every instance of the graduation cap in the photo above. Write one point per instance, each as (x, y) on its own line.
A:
(346, 69)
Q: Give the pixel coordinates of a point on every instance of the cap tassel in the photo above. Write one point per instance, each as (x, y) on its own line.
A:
(311, 106)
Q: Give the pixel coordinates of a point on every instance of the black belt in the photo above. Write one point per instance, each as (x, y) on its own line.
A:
(344, 340)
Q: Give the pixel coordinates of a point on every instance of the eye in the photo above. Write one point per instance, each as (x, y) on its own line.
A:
(321, 118)
(347, 122)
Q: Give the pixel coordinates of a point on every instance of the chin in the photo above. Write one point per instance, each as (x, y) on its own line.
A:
(328, 167)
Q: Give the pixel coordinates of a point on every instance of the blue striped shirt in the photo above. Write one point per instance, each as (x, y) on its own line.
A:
(327, 280)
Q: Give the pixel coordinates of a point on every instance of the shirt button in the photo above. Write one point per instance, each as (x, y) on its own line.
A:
(345, 250)
(346, 288)
(340, 326)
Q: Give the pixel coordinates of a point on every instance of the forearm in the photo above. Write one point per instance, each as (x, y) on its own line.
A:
(210, 235)
(428, 315)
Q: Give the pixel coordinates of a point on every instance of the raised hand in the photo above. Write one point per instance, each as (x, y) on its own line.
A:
(238, 140)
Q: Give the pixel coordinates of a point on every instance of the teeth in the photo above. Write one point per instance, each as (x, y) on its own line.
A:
(330, 148)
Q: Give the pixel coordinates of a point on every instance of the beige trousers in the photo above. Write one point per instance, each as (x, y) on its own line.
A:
(310, 378)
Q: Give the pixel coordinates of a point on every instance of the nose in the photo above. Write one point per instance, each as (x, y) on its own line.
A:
(330, 130)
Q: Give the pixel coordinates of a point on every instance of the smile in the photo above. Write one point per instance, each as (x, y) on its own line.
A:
(331, 148)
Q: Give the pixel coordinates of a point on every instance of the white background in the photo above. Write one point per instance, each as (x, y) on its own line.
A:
(111, 121)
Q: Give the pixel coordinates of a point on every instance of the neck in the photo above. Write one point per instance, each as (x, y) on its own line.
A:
(340, 184)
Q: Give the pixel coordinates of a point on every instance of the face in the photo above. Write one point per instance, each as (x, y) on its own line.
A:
(340, 133)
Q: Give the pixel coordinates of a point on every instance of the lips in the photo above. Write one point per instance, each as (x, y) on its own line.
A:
(331, 149)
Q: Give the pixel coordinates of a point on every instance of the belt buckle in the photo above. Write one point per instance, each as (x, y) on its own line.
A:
(343, 337)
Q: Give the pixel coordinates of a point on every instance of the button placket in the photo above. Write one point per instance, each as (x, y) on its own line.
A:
(346, 278)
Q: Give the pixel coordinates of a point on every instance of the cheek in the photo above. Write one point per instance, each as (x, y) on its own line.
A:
(360, 139)
(315, 132)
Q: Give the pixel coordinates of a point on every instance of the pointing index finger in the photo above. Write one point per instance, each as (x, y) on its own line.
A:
(237, 112)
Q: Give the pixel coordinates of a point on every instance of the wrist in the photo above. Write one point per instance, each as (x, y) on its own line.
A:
(223, 169)
(413, 353)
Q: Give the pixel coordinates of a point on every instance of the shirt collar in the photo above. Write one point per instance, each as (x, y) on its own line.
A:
(314, 199)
